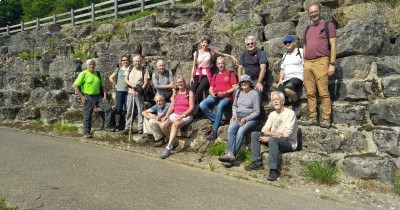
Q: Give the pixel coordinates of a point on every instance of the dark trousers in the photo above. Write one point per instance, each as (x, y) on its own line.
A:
(91, 102)
(200, 88)
(277, 146)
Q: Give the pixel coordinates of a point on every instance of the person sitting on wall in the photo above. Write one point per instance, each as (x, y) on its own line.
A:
(279, 133)
(178, 115)
(223, 84)
(152, 119)
(291, 73)
(245, 111)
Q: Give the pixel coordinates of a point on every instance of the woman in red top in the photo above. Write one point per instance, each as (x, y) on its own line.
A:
(178, 114)
(223, 84)
(200, 78)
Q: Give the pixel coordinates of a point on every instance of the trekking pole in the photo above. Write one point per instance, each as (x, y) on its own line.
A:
(204, 152)
(130, 123)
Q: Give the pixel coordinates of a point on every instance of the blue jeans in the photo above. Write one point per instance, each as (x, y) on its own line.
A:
(209, 103)
(236, 134)
(121, 102)
(91, 102)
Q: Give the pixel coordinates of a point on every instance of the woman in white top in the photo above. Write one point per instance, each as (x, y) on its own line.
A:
(292, 66)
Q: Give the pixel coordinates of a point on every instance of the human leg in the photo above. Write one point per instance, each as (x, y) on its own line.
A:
(87, 114)
(222, 104)
(154, 127)
(130, 110)
(277, 146)
(107, 109)
(206, 107)
(139, 100)
(241, 133)
(309, 84)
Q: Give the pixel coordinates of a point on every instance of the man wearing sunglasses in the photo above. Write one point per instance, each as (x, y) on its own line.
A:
(319, 64)
(253, 62)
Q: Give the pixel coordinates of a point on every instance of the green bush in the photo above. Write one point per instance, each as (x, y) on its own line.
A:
(245, 155)
(81, 55)
(216, 148)
(396, 185)
(2, 203)
(324, 172)
(64, 128)
(38, 122)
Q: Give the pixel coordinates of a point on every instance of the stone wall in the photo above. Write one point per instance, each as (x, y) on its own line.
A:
(37, 69)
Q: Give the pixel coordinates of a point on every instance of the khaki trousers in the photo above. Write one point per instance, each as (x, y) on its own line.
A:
(152, 126)
(316, 78)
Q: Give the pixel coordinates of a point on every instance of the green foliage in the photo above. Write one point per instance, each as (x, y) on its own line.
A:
(38, 122)
(245, 155)
(108, 36)
(10, 12)
(81, 55)
(52, 41)
(30, 55)
(209, 5)
(138, 15)
(324, 172)
(396, 185)
(264, 2)
(217, 148)
(240, 27)
(187, 1)
(106, 137)
(64, 128)
(2, 203)
(390, 2)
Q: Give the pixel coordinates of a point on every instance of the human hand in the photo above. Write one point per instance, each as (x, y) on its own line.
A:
(242, 122)
(220, 94)
(259, 87)
(83, 99)
(331, 70)
(233, 118)
(263, 139)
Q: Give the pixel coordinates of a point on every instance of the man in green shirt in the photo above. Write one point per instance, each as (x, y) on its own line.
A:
(88, 86)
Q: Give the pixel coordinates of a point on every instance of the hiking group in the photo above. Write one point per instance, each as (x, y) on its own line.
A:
(211, 94)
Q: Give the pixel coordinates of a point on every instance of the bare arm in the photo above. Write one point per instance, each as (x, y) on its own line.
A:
(331, 69)
(240, 71)
(111, 78)
(226, 55)
(281, 75)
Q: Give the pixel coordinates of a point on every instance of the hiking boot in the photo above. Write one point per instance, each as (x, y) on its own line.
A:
(140, 132)
(254, 166)
(116, 128)
(126, 131)
(273, 175)
(159, 143)
(310, 122)
(87, 136)
(230, 164)
(228, 157)
(212, 136)
(109, 129)
(325, 123)
(165, 153)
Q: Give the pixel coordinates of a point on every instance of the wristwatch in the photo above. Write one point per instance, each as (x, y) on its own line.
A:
(332, 63)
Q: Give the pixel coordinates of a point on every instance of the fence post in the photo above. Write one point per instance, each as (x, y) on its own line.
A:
(142, 5)
(115, 9)
(172, 2)
(54, 18)
(8, 30)
(93, 15)
(22, 25)
(72, 16)
(37, 23)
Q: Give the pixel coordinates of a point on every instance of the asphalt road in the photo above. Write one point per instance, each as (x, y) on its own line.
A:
(42, 172)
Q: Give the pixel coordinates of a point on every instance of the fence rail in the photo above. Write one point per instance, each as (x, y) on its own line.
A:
(94, 12)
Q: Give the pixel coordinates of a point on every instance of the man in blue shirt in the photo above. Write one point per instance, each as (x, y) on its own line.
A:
(152, 119)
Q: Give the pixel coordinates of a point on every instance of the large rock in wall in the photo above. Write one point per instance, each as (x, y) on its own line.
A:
(172, 16)
(385, 112)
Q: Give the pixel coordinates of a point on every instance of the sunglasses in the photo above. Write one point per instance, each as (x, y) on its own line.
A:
(250, 43)
(286, 43)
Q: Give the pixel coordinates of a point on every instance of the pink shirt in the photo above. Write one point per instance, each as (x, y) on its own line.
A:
(223, 82)
(317, 42)
(181, 102)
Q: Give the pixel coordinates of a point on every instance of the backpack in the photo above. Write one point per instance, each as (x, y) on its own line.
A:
(215, 76)
(213, 59)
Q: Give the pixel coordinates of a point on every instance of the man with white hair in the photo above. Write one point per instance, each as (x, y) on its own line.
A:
(88, 86)
(253, 62)
(163, 80)
(279, 133)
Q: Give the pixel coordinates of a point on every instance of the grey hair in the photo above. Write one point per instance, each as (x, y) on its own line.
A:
(158, 95)
(251, 38)
(220, 58)
(90, 61)
(280, 94)
(137, 56)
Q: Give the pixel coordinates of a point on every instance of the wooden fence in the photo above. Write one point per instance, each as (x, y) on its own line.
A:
(94, 12)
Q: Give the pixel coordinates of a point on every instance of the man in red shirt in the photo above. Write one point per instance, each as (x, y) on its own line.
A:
(222, 85)
(319, 63)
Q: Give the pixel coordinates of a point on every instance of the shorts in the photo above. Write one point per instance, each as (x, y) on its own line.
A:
(186, 120)
(294, 84)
